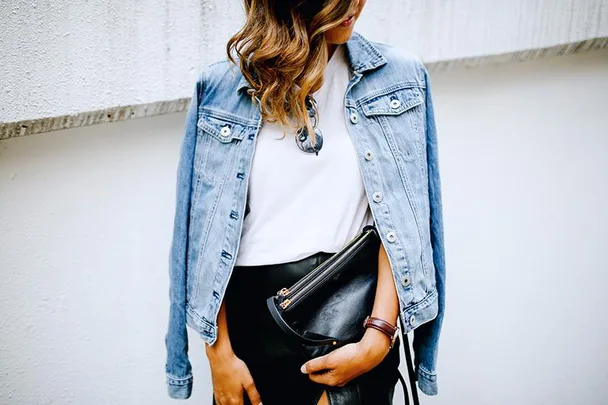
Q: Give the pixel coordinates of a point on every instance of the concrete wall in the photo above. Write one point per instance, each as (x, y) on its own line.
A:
(85, 225)
(68, 64)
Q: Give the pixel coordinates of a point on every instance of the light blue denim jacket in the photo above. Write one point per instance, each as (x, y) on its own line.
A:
(389, 112)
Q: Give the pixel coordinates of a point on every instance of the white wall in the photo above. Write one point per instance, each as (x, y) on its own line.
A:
(86, 214)
(524, 168)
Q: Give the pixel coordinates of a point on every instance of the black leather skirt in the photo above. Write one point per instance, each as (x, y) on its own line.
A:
(274, 366)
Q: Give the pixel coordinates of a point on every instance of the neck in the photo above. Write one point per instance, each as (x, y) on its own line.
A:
(331, 48)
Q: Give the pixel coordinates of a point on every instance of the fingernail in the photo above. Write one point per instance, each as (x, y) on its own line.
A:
(303, 368)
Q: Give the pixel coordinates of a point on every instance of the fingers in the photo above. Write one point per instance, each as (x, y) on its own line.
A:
(227, 399)
(322, 370)
(330, 378)
(252, 392)
(317, 364)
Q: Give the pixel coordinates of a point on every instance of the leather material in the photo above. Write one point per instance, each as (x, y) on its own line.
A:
(326, 308)
(381, 325)
(273, 360)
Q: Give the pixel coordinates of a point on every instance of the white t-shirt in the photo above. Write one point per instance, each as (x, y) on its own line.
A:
(301, 203)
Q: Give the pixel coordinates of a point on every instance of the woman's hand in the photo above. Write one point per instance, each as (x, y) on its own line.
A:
(230, 376)
(349, 361)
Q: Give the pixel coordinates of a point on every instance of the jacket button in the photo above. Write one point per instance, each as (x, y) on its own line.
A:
(391, 236)
(354, 118)
(395, 104)
(377, 196)
(412, 320)
(225, 131)
(405, 281)
(368, 155)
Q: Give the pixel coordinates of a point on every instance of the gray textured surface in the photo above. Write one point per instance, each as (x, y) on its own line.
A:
(31, 127)
(68, 64)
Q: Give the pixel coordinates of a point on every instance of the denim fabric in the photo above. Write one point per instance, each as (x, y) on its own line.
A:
(390, 118)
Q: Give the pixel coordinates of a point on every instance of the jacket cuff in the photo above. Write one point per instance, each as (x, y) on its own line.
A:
(427, 382)
(179, 388)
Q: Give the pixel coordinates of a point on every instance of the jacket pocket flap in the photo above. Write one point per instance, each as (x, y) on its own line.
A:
(221, 127)
(393, 102)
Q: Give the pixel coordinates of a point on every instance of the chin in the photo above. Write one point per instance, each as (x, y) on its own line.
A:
(338, 35)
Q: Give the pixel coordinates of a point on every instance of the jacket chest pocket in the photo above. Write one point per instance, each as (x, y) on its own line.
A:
(218, 138)
(399, 113)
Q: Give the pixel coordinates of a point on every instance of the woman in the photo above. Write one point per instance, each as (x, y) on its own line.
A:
(261, 202)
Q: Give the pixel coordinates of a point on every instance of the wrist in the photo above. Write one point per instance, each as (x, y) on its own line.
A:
(221, 349)
(383, 326)
(375, 343)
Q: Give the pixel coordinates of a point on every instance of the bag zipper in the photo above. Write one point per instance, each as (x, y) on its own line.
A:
(295, 295)
(284, 292)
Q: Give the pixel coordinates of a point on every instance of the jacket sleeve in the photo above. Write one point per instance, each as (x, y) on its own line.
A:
(426, 336)
(177, 367)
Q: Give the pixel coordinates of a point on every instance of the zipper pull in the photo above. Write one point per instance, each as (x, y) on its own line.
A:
(285, 303)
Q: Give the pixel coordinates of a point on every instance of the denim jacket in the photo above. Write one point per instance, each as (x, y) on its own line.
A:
(389, 114)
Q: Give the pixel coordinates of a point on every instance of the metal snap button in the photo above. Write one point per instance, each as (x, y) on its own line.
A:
(405, 281)
(368, 155)
(377, 196)
(225, 131)
(395, 104)
(354, 118)
(412, 320)
(391, 236)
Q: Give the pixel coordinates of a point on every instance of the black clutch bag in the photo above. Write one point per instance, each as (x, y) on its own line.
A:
(326, 308)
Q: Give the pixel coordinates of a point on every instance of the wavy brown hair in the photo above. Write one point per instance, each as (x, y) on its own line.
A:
(282, 53)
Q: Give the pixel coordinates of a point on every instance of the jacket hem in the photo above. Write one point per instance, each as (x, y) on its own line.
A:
(205, 328)
(179, 388)
(422, 312)
(427, 381)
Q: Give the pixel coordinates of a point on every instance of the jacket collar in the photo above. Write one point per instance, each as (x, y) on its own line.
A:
(362, 56)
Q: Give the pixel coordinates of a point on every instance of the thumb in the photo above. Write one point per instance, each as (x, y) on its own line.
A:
(316, 364)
